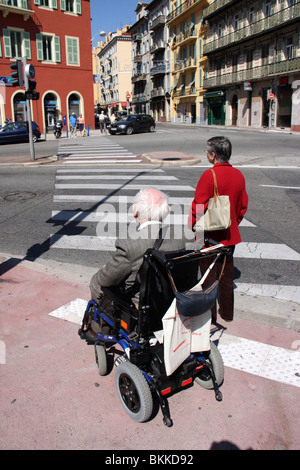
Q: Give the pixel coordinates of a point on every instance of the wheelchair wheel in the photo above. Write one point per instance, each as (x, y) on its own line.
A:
(133, 391)
(101, 359)
(215, 360)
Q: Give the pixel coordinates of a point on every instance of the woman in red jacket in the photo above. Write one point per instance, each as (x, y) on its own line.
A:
(231, 182)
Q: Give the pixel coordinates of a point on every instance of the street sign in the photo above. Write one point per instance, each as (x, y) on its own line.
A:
(30, 71)
(271, 96)
(128, 96)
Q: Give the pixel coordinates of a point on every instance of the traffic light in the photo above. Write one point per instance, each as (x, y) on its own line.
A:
(31, 85)
(30, 94)
(17, 73)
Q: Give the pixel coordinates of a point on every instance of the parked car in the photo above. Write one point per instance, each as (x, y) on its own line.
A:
(18, 132)
(132, 123)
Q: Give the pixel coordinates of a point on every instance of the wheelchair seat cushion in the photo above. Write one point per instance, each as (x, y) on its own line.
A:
(194, 302)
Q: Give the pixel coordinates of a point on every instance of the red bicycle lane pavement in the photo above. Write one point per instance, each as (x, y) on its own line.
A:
(53, 398)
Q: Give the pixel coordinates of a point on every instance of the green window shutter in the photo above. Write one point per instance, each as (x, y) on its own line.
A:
(63, 5)
(39, 46)
(78, 7)
(72, 51)
(24, 4)
(54, 4)
(7, 43)
(57, 49)
(37, 2)
(27, 46)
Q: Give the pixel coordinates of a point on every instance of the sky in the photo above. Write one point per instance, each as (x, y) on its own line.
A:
(110, 15)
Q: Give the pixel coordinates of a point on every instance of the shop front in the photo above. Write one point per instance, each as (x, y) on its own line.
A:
(216, 105)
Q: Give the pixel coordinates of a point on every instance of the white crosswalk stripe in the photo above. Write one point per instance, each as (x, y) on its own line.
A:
(108, 196)
(100, 151)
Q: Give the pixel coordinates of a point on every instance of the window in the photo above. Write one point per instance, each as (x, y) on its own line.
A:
(251, 15)
(72, 48)
(236, 23)
(48, 47)
(268, 8)
(289, 49)
(46, 3)
(16, 44)
(71, 6)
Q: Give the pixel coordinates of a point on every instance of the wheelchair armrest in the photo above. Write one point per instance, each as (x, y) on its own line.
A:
(116, 294)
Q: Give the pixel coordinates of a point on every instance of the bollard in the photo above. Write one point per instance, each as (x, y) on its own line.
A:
(88, 130)
(67, 132)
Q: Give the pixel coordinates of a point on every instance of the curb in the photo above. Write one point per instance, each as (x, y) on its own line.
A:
(171, 159)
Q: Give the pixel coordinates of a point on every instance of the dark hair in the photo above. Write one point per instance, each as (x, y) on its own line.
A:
(221, 147)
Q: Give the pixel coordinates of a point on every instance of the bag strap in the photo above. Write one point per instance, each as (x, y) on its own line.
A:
(216, 190)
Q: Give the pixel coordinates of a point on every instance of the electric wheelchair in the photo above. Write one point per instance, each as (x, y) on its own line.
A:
(116, 320)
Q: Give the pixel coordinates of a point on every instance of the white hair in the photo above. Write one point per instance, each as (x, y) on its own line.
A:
(151, 204)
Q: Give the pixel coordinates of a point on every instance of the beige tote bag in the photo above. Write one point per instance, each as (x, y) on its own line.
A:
(217, 215)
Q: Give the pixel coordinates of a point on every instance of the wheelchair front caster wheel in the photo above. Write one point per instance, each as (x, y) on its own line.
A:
(101, 359)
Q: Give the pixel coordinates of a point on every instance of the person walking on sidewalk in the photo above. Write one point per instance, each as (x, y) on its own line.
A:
(231, 182)
(81, 125)
(73, 124)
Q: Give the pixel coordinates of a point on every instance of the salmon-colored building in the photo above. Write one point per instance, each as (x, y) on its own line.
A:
(55, 37)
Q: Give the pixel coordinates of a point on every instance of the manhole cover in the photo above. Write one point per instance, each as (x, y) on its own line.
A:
(19, 196)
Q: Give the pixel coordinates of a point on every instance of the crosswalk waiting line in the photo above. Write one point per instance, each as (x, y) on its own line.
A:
(252, 357)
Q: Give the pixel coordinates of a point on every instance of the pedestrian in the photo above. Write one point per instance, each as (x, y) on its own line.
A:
(81, 125)
(231, 182)
(150, 208)
(102, 122)
(73, 124)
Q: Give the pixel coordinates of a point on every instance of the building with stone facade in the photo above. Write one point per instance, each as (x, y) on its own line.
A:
(253, 51)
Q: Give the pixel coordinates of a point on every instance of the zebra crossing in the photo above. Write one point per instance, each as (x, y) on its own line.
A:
(105, 197)
(98, 150)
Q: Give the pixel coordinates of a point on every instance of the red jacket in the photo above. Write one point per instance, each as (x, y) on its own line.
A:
(231, 182)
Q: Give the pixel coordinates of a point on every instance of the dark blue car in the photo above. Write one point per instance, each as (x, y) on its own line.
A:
(18, 132)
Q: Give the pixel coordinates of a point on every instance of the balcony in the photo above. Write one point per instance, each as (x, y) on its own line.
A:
(22, 7)
(182, 65)
(158, 22)
(138, 77)
(256, 73)
(182, 8)
(189, 35)
(158, 45)
(158, 92)
(159, 67)
(262, 26)
(216, 6)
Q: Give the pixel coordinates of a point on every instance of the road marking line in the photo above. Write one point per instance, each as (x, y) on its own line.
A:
(279, 187)
(130, 186)
(274, 251)
(263, 360)
(280, 292)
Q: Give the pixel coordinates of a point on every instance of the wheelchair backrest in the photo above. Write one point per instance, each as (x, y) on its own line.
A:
(156, 291)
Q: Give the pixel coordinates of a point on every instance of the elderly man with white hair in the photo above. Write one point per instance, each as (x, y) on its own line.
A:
(150, 208)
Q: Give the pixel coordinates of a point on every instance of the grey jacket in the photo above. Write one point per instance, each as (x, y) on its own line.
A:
(125, 262)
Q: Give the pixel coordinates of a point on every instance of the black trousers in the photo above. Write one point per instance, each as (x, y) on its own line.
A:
(226, 300)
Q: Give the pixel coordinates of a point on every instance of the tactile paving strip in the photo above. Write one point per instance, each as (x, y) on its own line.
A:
(264, 360)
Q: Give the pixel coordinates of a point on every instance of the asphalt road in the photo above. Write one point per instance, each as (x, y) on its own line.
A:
(26, 201)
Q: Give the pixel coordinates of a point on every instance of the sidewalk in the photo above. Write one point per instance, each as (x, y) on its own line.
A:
(53, 398)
